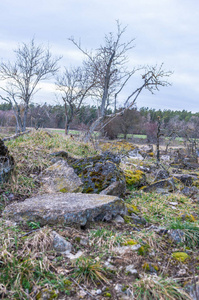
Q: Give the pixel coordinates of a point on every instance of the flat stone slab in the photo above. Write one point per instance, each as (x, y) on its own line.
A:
(65, 208)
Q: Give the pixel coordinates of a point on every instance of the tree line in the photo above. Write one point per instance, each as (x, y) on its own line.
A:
(131, 121)
(101, 78)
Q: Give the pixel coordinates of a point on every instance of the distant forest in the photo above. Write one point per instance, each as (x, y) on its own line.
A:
(136, 121)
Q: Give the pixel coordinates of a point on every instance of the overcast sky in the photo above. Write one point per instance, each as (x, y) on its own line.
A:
(164, 31)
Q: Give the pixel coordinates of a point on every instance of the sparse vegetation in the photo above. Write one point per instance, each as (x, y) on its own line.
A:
(31, 268)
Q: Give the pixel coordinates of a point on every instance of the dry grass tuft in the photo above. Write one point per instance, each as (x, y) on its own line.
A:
(157, 288)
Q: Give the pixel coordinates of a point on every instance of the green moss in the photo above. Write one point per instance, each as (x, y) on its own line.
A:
(143, 250)
(77, 239)
(107, 294)
(188, 218)
(132, 208)
(127, 219)
(89, 190)
(146, 267)
(196, 183)
(150, 267)
(180, 256)
(135, 178)
(50, 294)
(64, 190)
(130, 243)
(67, 282)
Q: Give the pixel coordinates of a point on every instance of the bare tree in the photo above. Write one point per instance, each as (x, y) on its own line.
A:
(108, 65)
(33, 64)
(75, 87)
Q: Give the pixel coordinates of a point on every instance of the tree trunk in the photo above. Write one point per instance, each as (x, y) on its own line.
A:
(66, 125)
(158, 141)
(88, 134)
(25, 118)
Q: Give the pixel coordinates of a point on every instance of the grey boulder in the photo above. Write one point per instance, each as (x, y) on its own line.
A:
(60, 177)
(65, 208)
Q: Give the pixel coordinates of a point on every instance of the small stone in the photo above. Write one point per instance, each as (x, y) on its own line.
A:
(173, 207)
(118, 288)
(122, 250)
(131, 269)
(82, 294)
(74, 256)
(109, 266)
(84, 242)
(11, 197)
(176, 235)
(173, 203)
(135, 247)
(129, 293)
(152, 253)
(60, 244)
(181, 272)
(119, 219)
(98, 292)
(137, 220)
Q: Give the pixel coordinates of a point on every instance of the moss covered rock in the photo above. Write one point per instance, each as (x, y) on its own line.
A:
(60, 177)
(100, 173)
(6, 162)
(165, 185)
(135, 178)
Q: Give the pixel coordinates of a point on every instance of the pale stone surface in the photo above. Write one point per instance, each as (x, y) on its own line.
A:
(74, 256)
(119, 219)
(114, 189)
(124, 249)
(60, 177)
(60, 244)
(131, 269)
(68, 208)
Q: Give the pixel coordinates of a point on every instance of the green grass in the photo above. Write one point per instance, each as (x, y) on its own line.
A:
(87, 269)
(106, 239)
(190, 230)
(31, 153)
(24, 264)
(155, 208)
(130, 135)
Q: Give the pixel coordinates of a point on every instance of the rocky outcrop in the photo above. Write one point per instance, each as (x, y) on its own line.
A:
(60, 177)
(161, 174)
(186, 179)
(100, 173)
(6, 162)
(161, 186)
(67, 208)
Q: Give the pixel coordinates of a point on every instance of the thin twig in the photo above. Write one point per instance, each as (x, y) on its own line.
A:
(83, 289)
(30, 232)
